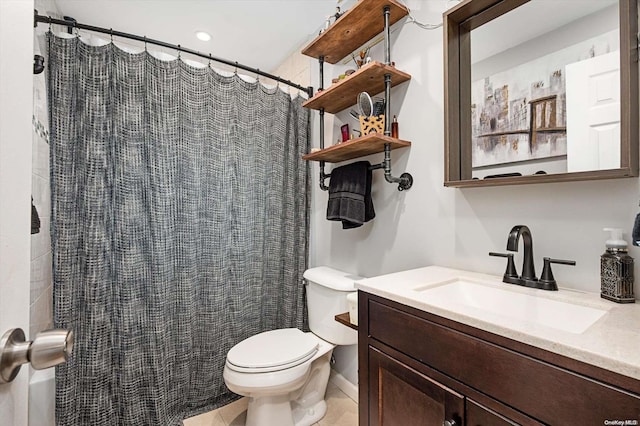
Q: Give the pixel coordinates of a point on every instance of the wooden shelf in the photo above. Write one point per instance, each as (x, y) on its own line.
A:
(365, 145)
(358, 25)
(344, 319)
(369, 78)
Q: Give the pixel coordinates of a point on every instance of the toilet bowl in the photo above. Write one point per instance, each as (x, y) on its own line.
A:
(284, 373)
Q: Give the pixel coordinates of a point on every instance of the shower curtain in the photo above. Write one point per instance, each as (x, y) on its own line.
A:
(179, 227)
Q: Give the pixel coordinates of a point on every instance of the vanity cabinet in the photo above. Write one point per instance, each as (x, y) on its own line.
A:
(405, 396)
(414, 365)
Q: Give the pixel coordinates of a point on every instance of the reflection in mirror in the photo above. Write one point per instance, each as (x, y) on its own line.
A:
(540, 89)
(545, 92)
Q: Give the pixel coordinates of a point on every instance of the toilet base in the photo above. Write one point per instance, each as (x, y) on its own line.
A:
(277, 410)
(269, 410)
(310, 415)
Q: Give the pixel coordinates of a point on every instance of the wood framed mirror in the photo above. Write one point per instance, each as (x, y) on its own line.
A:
(540, 91)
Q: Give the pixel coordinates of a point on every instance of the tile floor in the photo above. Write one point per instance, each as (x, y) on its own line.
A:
(341, 411)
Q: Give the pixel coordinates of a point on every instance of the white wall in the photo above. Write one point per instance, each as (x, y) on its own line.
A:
(433, 225)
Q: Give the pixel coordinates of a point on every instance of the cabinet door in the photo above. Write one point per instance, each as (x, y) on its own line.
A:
(478, 415)
(401, 396)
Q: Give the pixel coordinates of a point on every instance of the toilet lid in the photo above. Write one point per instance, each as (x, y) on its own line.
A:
(273, 350)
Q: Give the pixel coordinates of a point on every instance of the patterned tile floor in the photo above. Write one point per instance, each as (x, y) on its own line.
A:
(341, 411)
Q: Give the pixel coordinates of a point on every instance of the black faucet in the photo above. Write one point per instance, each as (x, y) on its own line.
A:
(528, 277)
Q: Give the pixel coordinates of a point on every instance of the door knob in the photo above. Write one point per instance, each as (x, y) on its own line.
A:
(49, 348)
(450, 423)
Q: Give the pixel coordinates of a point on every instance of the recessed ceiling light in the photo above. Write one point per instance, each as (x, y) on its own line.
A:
(203, 35)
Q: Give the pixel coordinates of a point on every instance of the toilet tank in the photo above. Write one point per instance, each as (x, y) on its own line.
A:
(327, 290)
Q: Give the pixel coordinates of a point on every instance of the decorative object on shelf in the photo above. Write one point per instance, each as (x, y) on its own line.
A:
(394, 127)
(365, 104)
(327, 24)
(344, 129)
(372, 124)
(349, 72)
(335, 17)
(363, 57)
(379, 105)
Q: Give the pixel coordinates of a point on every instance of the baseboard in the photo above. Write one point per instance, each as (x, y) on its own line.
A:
(344, 385)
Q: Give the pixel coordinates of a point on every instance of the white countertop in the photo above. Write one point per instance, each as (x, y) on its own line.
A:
(612, 342)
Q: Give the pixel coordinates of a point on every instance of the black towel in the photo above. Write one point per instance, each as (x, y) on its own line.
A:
(350, 195)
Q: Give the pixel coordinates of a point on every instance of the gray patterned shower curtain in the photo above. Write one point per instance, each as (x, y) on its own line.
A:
(179, 227)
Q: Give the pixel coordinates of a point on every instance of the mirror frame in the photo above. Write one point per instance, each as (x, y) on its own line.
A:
(457, 25)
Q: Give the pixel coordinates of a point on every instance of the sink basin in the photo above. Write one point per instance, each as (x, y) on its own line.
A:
(501, 306)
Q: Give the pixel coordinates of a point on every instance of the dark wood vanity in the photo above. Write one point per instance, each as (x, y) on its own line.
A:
(416, 368)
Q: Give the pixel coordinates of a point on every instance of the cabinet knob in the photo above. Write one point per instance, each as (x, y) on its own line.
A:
(450, 423)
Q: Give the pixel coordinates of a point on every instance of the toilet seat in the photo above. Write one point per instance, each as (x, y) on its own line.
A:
(272, 351)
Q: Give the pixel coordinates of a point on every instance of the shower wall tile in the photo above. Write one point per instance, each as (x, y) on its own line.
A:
(42, 313)
(41, 276)
(297, 68)
(40, 160)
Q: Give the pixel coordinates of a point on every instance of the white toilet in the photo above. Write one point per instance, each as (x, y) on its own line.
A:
(285, 372)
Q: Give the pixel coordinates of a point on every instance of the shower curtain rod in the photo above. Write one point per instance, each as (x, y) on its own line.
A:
(111, 32)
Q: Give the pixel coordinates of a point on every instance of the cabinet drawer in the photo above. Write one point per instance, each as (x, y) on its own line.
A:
(546, 392)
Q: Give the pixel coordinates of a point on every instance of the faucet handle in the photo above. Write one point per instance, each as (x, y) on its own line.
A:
(547, 281)
(510, 275)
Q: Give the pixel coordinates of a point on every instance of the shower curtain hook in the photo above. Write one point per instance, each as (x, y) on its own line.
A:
(49, 23)
(209, 64)
(111, 34)
(236, 70)
(145, 43)
(75, 26)
(179, 50)
(257, 75)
